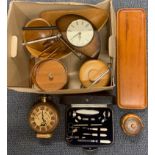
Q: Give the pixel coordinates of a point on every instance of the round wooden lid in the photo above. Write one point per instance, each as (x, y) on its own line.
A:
(131, 124)
(91, 70)
(49, 75)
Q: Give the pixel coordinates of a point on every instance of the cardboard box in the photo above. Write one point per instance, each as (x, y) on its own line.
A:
(21, 12)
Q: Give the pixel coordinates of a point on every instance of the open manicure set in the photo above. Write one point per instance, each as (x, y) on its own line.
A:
(89, 122)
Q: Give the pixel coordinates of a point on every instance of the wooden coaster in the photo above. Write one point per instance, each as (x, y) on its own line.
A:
(49, 75)
(91, 70)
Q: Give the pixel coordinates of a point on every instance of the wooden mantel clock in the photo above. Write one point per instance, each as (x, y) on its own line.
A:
(43, 118)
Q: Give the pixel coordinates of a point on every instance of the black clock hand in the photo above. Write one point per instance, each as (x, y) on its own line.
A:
(79, 36)
(44, 121)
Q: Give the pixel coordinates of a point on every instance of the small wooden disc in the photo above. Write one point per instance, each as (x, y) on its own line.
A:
(91, 70)
(49, 75)
(131, 124)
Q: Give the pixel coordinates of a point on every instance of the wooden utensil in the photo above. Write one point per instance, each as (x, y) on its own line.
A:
(131, 59)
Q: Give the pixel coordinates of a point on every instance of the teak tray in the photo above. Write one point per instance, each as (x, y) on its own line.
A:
(131, 59)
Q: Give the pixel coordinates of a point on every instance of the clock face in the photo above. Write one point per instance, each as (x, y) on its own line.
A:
(80, 32)
(43, 119)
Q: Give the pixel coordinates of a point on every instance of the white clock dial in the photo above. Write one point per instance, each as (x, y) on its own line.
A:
(80, 32)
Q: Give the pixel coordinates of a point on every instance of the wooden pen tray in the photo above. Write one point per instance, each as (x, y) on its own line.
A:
(131, 59)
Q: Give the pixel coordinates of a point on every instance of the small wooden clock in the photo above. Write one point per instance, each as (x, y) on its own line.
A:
(43, 118)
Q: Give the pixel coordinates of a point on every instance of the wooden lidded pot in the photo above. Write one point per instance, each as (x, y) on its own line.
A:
(131, 124)
(49, 75)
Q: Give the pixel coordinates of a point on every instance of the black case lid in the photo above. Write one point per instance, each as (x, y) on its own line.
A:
(87, 99)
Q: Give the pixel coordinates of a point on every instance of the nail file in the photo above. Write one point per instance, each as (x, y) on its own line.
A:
(87, 112)
(87, 141)
(90, 134)
(93, 129)
(95, 134)
(94, 141)
(85, 125)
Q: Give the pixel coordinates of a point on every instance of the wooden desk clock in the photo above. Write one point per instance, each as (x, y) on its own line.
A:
(43, 118)
(80, 33)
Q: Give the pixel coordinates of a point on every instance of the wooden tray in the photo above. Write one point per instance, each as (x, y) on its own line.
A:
(131, 59)
(96, 16)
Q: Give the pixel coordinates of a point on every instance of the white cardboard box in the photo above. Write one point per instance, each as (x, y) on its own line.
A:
(18, 65)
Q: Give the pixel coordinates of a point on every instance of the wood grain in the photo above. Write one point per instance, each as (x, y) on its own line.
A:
(97, 16)
(131, 59)
(49, 75)
(91, 70)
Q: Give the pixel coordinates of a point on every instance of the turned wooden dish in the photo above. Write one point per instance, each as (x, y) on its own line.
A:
(91, 70)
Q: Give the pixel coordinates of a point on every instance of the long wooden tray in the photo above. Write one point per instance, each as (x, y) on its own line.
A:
(131, 59)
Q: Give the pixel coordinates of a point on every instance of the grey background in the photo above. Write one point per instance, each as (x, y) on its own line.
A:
(22, 141)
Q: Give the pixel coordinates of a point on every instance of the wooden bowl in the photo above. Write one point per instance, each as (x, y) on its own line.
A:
(29, 35)
(91, 70)
(54, 48)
